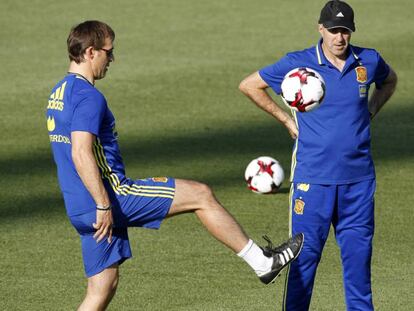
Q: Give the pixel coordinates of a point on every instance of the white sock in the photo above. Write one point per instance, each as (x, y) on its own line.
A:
(253, 255)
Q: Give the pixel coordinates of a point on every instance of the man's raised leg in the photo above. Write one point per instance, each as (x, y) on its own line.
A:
(192, 196)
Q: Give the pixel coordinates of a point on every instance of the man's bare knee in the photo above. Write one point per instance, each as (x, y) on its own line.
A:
(192, 196)
(203, 192)
(204, 198)
(103, 288)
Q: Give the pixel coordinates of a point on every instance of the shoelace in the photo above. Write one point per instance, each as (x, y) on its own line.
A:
(270, 249)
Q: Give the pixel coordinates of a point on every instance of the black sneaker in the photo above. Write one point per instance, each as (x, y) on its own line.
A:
(282, 255)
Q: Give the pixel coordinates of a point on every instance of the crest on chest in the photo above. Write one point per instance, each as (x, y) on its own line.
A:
(361, 74)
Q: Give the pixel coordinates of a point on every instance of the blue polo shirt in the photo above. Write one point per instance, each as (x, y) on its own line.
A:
(333, 146)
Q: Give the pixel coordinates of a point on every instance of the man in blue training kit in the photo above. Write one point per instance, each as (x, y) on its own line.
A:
(333, 179)
(101, 202)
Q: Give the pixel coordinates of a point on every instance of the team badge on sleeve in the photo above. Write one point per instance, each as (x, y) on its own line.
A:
(361, 74)
(160, 179)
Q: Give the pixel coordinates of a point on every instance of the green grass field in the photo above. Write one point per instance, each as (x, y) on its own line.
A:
(173, 90)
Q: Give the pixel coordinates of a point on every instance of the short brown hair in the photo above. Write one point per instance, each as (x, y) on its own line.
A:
(86, 34)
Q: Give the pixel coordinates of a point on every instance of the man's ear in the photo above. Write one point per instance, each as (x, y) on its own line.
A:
(89, 53)
(320, 28)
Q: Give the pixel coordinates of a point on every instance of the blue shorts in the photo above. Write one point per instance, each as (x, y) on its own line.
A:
(146, 205)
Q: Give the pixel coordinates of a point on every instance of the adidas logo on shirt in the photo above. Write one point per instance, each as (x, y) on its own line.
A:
(56, 98)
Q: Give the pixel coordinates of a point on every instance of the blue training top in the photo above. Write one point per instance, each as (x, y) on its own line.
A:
(76, 105)
(333, 146)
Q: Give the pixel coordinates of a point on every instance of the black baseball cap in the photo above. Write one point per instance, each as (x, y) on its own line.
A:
(337, 14)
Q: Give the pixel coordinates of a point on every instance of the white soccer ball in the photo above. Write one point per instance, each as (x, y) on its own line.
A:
(303, 89)
(264, 175)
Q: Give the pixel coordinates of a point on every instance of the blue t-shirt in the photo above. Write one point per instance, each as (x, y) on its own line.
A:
(333, 146)
(76, 105)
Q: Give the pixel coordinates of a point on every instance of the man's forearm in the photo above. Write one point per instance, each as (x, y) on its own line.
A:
(263, 100)
(254, 87)
(380, 96)
(88, 171)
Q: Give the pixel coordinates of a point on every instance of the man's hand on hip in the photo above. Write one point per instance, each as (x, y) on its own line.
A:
(103, 225)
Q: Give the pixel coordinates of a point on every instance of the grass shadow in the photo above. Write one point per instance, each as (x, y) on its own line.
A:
(392, 141)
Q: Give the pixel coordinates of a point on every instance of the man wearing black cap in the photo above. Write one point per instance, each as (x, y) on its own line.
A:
(333, 177)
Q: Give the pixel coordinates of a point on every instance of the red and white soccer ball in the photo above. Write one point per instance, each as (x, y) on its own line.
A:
(303, 89)
(264, 175)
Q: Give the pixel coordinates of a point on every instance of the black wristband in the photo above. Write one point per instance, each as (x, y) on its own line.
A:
(102, 208)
